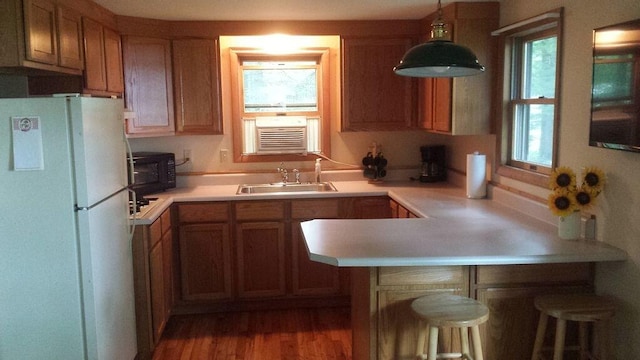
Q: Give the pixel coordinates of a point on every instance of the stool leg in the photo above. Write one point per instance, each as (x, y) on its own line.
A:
(464, 340)
(422, 335)
(558, 349)
(584, 342)
(477, 344)
(603, 334)
(542, 328)
(433, 343)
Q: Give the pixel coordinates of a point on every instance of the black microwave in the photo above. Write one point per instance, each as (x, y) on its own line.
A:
(152, 172)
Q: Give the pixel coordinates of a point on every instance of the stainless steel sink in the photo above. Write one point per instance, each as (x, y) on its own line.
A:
(285, 188)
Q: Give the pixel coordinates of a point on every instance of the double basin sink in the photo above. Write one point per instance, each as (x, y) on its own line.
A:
(285, 188)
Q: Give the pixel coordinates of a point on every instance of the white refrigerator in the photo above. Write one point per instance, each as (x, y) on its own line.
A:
(66, 273)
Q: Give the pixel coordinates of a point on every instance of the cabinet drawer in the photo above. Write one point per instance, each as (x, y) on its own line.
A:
(260, 210)
(414, 275)
(536, 273)
(205, 212)
(315, 209)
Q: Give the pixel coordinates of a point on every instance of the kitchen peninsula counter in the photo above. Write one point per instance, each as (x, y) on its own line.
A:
(452, 229)
(491, 250)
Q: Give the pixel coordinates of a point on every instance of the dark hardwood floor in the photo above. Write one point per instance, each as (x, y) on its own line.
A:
(300, 334)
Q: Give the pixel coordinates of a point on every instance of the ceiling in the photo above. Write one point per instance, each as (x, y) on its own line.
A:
(248, 10)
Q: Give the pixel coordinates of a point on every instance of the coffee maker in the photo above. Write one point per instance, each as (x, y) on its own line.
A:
(433, 168)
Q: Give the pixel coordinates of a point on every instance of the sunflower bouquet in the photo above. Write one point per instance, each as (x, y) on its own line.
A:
(567, 196)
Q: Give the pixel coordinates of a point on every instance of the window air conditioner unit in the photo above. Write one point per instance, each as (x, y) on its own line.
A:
(281, 135)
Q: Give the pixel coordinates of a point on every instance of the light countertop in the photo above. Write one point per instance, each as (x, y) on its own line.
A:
(454, 230)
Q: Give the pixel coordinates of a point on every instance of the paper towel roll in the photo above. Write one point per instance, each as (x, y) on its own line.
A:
(476, 175)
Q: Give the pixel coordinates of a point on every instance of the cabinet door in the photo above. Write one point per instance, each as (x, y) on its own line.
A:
(435, 107)
(397, 327)
(310, 277)
(167, 271)
(40, 31)
(113, 61)
(369, 208)
(441, 104)
(373, 96)
(261, 259)
(148, 86)
(205, 261)
(70, 38)
(156, 282)
(511, 329)
(197, 86)
(95, 76)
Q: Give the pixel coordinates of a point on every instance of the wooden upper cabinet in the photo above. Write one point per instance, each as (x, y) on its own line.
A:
(148, 86)
(113, 61)
(70, 38)
(373, 96)
(196, 84)
(462, 106)
(103, 59)
(40, 31)
(95, 76)
(38, 34)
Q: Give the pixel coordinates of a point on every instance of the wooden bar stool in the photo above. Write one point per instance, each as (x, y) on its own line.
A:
(583, 308)
(451, 311)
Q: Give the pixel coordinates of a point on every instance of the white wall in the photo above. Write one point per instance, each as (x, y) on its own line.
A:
(618, 207)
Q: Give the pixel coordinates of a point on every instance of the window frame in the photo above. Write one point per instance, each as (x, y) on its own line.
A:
(539, 27)
(237, 57)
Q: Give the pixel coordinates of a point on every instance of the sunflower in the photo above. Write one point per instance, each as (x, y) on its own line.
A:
(585, 197)
(593, 180)
(562, 202)
(562, 178)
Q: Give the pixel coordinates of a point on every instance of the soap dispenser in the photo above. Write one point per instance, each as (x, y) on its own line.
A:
(318, 171)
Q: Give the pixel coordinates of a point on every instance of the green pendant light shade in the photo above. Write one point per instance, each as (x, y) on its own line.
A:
(439, 57)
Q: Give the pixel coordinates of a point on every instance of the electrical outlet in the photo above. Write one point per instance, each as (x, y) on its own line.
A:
(224, 155)
(187, 155)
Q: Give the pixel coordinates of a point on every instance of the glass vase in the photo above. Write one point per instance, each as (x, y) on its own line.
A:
(569, 226)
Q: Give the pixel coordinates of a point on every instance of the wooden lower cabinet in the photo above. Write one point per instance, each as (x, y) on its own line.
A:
(153, 281)
(384, 327)
(204, 246)
(260, 259)
(399, 211)
(311, 277)
(205, 261)
(509, 292)
(243, 255)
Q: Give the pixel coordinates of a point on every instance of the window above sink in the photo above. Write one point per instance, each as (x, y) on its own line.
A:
(294, 83)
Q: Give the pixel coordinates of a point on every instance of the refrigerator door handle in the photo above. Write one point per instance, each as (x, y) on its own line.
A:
(132, 219)
(129, 160)
(86, 208)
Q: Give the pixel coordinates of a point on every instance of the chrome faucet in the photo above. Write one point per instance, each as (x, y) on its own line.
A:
(283, 172)
(297, 173)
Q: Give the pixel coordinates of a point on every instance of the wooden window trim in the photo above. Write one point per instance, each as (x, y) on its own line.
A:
(324, 110)
(503, 99)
